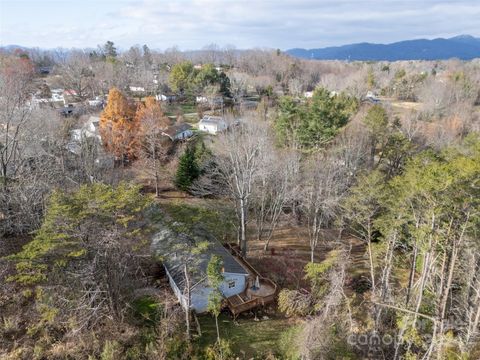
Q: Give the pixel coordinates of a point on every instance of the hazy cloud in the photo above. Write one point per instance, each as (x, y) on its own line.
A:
(243, 23)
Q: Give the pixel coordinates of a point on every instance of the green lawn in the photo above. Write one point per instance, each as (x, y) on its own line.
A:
(248, 337)
(188, 108)
(185, 108)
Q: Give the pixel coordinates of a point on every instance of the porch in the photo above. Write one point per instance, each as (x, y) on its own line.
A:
(260, 291)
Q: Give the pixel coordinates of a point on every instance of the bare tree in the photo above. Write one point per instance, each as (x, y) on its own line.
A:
(16, 76)
(322, 190)
(30, 150)
(238, 83)
(469, 305)
(240, 152)
(277, 185)
(77, 74)
(153, 145)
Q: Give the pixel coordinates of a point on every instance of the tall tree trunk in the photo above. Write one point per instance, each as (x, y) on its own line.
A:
(423, 282)
(155, 168)
(373, 147)
(411, 278)
(218, 331)
(370, 257)
(4, 176)
(243, 227)
(448, 286)
(157, 190)
(385, 279)
(474, 320)
(265, 245)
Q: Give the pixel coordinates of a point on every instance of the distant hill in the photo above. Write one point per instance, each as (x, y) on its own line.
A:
(12, 47)
(463, 47)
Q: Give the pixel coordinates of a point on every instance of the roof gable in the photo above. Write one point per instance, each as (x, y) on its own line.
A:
(175, 247)
(174, 130)
(211, 120)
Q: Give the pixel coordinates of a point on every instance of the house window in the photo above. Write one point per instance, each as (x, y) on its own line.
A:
(231, 284)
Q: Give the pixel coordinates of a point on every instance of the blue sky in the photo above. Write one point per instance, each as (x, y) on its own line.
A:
(192, 24)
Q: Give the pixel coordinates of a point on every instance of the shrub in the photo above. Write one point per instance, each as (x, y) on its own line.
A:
(294, 303)
(111, 350)
(221, 350)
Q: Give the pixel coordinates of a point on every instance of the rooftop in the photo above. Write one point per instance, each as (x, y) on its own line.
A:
(175, 247)
(176, 129)
(211, 120)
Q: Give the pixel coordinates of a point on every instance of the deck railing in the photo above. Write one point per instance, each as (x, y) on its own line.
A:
(255, 300)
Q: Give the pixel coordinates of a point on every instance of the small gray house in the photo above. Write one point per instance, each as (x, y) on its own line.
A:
(174, 250)
(180, 131)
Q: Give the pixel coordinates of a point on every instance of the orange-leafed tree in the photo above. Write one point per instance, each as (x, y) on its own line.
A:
(153, 146)
(119, 127)
(150, 113)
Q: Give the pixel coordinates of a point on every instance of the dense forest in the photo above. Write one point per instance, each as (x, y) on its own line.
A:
(353, 186)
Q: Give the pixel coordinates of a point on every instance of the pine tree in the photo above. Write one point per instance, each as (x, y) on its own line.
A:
(376, 122)
(119, 127)
(187, 170)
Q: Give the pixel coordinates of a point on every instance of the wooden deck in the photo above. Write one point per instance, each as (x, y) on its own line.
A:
(251, 297)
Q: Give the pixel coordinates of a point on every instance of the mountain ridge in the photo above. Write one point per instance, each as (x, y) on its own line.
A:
(464, 47)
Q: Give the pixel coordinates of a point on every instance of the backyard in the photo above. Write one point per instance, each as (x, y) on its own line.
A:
(249, 336)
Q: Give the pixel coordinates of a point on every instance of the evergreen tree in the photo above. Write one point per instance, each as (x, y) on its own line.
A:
(110, 50)
(376, 122)
(187, 170)
(147, 55)
(224, 82)
(181, 77)
(288, 121)
(315, 123)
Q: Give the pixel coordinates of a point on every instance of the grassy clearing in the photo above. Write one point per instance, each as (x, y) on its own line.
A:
(182, 108)
(250, 338)
(146, 310)
(214, 217)
(188, 108)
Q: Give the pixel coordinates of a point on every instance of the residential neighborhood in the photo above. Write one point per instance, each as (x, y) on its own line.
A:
(239, 180)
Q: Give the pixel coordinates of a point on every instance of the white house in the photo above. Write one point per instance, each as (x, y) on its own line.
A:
(201, 99)
(88, 130)
(372, 97)
(90, 133)
(178, 132)
(212, 124)
(175, 251)
(165, 97)
(136, 89)
(98, 101)
(215, 101)
(57, 95)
